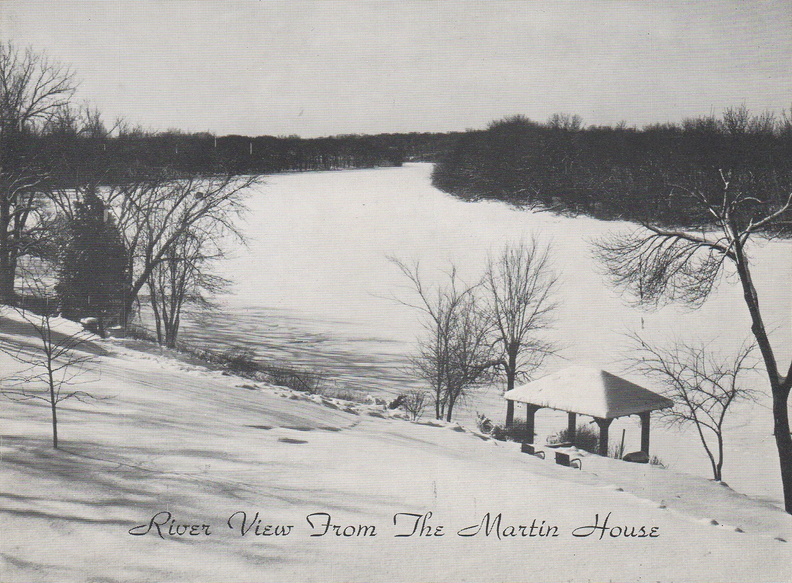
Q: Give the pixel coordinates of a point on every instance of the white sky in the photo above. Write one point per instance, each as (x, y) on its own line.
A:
(342, 66)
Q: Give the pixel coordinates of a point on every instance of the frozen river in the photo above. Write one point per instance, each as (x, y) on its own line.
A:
(315, 288)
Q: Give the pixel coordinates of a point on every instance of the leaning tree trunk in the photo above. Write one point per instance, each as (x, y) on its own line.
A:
(779, 386)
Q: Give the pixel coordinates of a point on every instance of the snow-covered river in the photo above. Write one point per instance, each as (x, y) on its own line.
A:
(315, 288)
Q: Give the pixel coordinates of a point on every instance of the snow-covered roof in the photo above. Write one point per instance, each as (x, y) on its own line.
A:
(588, 391)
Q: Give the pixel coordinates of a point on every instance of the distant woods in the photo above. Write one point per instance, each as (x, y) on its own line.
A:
(619, 172)
(112, 156)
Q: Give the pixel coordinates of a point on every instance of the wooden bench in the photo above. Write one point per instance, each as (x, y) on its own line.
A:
(529, 448)
(564, 459)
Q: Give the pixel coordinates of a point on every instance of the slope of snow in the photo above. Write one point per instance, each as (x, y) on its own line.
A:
(170, 437)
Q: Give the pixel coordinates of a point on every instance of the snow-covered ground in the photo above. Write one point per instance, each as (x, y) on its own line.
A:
(174, 443)
(315, 288)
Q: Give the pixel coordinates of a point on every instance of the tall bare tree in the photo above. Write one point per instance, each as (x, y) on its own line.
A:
(455, 353)
(154, 214)
(32, 89)
(519, 285)
(702, 385)
(729, 207)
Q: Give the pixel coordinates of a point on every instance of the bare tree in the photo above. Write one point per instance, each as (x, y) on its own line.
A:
(413, 402)
(184, 277)
(32, 89)
(439, 307)
(565, 121)
(471, 355)
(702, 386)
(83, 120)
(730, 208)
(51, 364)
(455, 354)
(430, 360)
(519, 286)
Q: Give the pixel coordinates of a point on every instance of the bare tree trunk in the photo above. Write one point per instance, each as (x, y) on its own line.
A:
(719, 467)
(6, 280)
(170, 335)
(511, 367)
(47, 337)
(715, 465)
(155, 309)
(7, 266)
(450, 409)
(783, 442)
(54, 408)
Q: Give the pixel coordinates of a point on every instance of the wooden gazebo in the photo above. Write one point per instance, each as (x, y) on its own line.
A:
(587, 391)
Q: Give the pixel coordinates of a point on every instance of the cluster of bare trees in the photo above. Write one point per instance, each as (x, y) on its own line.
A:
(173, 227)
(167, 226)
(473, 332)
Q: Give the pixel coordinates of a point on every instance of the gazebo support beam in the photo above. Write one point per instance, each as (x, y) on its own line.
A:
(604, 424)
(529, 421)
(572, 427)
(509, 413)
(645, 432)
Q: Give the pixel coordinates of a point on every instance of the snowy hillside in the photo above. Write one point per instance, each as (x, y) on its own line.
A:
(262, 476)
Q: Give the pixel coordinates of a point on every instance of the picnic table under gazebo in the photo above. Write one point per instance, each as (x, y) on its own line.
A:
(596, 393)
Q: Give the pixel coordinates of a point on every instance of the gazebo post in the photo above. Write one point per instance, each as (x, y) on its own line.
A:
(603, 437)
(572, 427)
(509, 413)
(645, 432)
(529, 422)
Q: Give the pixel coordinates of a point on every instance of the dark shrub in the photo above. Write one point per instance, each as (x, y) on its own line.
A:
(516, 432)
(586, 438)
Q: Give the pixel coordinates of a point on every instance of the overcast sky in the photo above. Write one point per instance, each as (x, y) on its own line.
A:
(342, 66)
